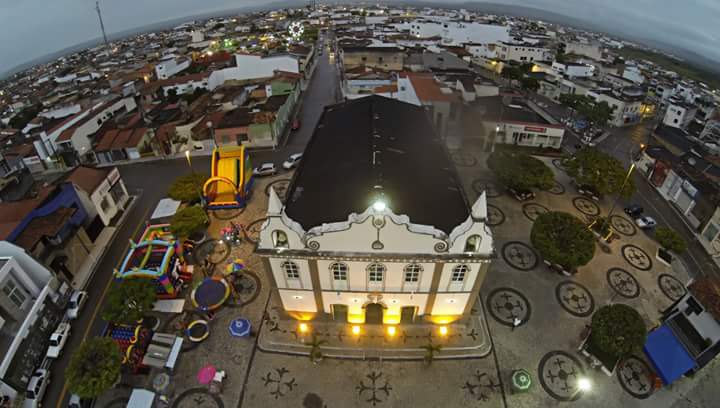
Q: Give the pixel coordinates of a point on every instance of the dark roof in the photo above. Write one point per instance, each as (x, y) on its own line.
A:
(707, 291)
(338, 174)
(674, 136)
(370, 49)
(234, 118)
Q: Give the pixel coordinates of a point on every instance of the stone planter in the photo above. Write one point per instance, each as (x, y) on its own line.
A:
(664, 256)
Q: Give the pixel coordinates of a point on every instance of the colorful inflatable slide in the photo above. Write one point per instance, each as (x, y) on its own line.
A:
(231, 179)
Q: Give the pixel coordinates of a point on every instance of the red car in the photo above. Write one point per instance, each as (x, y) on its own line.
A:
(295, 124)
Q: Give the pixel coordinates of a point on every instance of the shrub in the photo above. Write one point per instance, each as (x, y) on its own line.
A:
(618, 330)
(670, 240)
(187, 188)
(187, 221)
(563, 239)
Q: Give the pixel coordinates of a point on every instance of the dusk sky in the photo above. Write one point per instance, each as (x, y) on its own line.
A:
(33, 28)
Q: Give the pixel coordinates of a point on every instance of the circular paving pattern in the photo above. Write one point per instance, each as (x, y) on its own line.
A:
(507, 304)
(623, 283)
(281, 188)
(586, 206)
(623, 225)
(533, 210)
(635, 377)
(636, 257)
(671, 287)
(559, 372)
(495, 216)
(490, 189)
(252, 230)
(463, 158)
(197, 398)
(247, 288)
(214, 251)
(575, 298)
(557, 189)
(519, 255)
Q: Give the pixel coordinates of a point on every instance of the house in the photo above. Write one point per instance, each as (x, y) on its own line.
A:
(363, 81)
(458, 33)
(399, 241)
(123, 144)
(181, 85)
(522, 52)
(679, 114)
(437, 62)
(573, 70)
(627, 104)
(171, 66)
(31, 305)
(248, 66)
(383, 58)
(441, 104)
(103, 189)
(689, 336)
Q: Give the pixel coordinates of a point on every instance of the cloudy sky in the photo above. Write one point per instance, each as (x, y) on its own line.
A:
(33, 28)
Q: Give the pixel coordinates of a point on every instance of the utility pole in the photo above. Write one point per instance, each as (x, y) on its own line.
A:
(102, 25)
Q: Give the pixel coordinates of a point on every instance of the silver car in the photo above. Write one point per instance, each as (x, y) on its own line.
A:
(265, 169)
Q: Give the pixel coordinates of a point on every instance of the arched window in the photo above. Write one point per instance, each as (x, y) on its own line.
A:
(376, 272)
(412, 272)
(280, 239)
(339, 271)
(459, 272)
(290, 269)
(473, 243)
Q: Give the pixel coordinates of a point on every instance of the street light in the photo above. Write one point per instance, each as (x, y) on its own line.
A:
(192, 172)
(633, 160)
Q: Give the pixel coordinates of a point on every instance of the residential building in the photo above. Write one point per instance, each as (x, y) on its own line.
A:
(573, 70)
(123, 144)
(383, 58)
(521, 52)
(400, 240)
(679, 114)
(181, 85)
(633, 74)
(627, 104)
(589, 50)
(171, 66)
(249, 66)
(441, 104)
(458, 33)
(102, 189)
(31, 306)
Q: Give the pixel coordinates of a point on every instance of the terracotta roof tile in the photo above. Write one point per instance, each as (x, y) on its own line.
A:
(47, 226)
(707, 291)
(427, 89)
(88, 178)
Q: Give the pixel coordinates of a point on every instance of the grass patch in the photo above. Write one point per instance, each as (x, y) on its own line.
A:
(684, 68)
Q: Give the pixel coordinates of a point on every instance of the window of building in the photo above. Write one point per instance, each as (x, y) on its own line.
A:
(376, 272)
(473, 243)
(711, 232)
(339, 271)
(104, 204)
(459, 272)
(280, 239)
(243, 137)
(117, 192)
(291, 270)
(412, 273)
(14, 293)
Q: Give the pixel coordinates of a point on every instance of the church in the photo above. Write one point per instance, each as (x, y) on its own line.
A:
(376, 227)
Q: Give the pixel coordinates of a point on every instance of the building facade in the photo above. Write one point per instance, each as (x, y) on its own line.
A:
(376, 247)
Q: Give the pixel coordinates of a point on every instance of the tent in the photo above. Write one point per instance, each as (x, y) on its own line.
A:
(668, 355)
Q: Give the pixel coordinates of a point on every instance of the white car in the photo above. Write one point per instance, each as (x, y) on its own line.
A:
(265, 169)
(76, 402)
(292, 161)
(76, 302)
(645, 222)
(58, 340)
(36, 388)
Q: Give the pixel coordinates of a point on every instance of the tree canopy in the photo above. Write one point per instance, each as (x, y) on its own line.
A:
(601, 171)
(94, 367)
(520, 171)
(530, 84)
(129, 301)
(598, 113)
(562, 239)
(188, 221)
(187, 188)
(670, 239)
(618, 330)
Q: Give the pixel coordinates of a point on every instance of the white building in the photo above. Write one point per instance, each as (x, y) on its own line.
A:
(585, 49)
(522, 52)
(197, 36)
(458, 33)
(28, 296)
(627, 104)
(253, 67)
(385, 236)
(573, 70)
(679, 114)
(102, 189)
(633, 74)
(171, 66)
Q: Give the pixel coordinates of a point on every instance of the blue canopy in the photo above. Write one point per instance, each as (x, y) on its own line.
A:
(667, 355)
(240, 327)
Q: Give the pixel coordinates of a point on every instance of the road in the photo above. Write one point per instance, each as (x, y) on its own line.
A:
(150, 180)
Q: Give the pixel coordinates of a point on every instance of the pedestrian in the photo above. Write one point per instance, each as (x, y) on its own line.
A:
(516, 323)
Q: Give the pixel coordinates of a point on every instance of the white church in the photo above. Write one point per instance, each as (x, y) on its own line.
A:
(376, 227)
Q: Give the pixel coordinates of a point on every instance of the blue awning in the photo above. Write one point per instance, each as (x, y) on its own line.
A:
(667, 355)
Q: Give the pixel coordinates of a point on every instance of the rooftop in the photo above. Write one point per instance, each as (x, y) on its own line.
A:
(391, 144)
(88, 178)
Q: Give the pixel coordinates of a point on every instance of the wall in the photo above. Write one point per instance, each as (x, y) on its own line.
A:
(103, 192)
(253, 67)
(389, 61)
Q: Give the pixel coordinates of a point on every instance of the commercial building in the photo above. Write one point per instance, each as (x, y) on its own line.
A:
(376, 227)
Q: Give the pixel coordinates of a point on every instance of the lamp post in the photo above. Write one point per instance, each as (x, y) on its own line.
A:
(209, 125)
(194, 178)
(633, 160)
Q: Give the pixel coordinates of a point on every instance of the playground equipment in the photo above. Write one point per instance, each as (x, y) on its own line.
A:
(133, 343)
(231, 179)
(157, 256)
(211, 293)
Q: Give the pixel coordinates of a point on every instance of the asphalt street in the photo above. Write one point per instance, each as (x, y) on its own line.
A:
(149, 181)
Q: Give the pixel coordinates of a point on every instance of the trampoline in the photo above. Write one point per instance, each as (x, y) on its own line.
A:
(197, 331)
(211, 293)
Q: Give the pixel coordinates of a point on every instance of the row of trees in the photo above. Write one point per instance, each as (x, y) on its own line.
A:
(597, 113)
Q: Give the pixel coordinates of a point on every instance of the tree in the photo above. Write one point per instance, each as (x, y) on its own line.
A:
(129, 301)
(670, 240)
(315, 353)
(511, 73)
(187, 188)
(21, 119)
(430, 351)
(94, 367)
(599, 113)
(530, 84)
(618, 330)
(563, 239)
(520, 171)
(601, 171)
(188, 221)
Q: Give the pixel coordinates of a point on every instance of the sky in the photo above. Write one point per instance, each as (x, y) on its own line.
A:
(34, 28)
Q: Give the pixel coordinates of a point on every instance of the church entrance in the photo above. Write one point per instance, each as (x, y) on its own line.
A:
(407, 314)
(374, 313)
(340, 313)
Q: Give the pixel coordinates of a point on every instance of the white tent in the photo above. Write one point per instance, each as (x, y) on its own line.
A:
(167, 207)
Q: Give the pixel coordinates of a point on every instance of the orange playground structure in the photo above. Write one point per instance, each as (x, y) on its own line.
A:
(231, 179)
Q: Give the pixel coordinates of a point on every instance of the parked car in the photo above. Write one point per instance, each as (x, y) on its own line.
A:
(521, 195)
(76, 302)
(634, 210)
(36, 388)
(265, 169)
(645, 222)
(58, 340)
(295, 124)
(292, 161)
(589, 191)
(77, 402)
